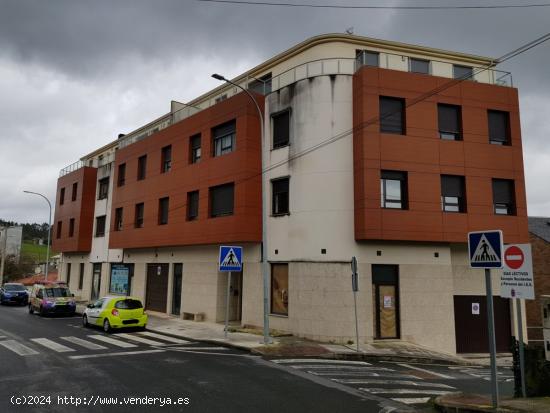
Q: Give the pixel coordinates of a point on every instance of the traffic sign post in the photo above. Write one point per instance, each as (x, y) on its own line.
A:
(230, 259)
(355, 288)
(485, 251)
(517, 282)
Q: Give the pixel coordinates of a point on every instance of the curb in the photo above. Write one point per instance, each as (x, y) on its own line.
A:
(398, 358)
(450, 407)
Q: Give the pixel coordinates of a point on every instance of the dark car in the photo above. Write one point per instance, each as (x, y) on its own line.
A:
(13, 293)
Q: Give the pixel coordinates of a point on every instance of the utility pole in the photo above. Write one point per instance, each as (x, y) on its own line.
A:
(3, 243)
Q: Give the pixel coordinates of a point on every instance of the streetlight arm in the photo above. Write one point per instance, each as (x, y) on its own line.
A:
(49, 232)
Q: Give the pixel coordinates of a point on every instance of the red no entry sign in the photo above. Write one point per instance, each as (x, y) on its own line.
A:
(514, 257)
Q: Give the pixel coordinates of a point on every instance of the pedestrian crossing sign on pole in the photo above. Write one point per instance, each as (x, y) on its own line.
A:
(485, 249)
(230, 258)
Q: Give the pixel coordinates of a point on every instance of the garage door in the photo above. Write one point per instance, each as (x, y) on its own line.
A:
(471, 324)
(156, 294)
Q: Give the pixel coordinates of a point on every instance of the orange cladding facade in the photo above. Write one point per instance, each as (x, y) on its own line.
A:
(425, 157)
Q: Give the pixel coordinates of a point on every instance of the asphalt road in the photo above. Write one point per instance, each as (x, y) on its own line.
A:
(47, 361)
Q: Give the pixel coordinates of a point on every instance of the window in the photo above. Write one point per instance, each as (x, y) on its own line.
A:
(368, 58)
(281, 129)
(453, 193)
(118, 219)
(392, 115)
(393, 187)
(499, 127)
(192, 205)
(463, 72)
(195, 148)
(224, 138)
(221, 98)
(279, 289)
(71, 227)
(103, 188)
(261, 85)
(142, 167)
(121, 174)
(59, 228)
(62, 196)
(163, 211)
(100, 226)
(279, 204)
(138, 223)
(166, 159)
(221, 200)
(74, 192)
(419, 66)
(450, 120)
(504, 199)
(68, 277)
(81, 276)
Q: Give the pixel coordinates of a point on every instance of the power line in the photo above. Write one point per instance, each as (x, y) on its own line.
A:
(350, 7)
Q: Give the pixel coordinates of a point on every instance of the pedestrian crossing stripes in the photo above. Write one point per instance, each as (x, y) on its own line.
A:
(165, 338)
(18, 348)
(141, 339)
(83, 343)
(112, 341)
(52, 345)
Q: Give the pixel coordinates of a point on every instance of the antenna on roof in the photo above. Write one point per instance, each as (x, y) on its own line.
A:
(349, 30)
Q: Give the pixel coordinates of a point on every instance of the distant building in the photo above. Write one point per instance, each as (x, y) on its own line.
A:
(13, 242)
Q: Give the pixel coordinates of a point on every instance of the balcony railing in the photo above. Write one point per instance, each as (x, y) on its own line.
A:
(71, 168)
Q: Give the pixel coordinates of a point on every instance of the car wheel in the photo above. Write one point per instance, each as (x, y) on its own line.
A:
(85, 321)
(31, 310)
(106, 326)
(143, 328)
(42, 312)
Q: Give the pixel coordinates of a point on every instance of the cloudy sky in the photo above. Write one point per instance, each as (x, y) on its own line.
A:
(74, 74)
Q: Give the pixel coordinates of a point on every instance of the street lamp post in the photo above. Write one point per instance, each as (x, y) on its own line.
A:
(265, 266)
(49, 232)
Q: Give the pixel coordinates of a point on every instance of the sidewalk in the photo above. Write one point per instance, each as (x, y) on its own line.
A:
(290, 346)
(468, 403)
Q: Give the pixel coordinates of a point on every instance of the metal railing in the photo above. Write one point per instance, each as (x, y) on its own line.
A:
(71, 168)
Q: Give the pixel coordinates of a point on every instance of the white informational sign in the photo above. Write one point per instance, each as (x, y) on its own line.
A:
(475, 308)
(516, 280)
(388, 301)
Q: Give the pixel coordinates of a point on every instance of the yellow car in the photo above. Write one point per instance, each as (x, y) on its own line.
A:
(114, 313)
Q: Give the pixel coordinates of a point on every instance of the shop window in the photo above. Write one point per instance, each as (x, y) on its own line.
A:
(279, 289)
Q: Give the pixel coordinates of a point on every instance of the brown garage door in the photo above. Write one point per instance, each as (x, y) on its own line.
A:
(471, 329)
(156, 294)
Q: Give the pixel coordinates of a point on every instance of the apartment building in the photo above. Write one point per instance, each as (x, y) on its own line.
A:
(381, 150)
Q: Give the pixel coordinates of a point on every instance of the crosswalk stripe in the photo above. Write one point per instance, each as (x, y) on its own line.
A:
(122, 353)
(163, 337)
(433, 373)
(18, 348)
(83, 343)
(52, 345)
(112, 341)
(141, 339)
(320, 361)
(403, 391)
(390, 375)
(340, 368)
(414, 400)
(201, 348)
(394, 382)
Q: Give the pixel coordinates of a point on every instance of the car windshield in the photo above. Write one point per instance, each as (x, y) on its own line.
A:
(128, 304)
(14, 287)
(57, 292)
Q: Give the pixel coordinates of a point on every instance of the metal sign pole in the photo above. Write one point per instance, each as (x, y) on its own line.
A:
(356, 323)
(227, 303)
(492, 342)
(355, 288)
(521, 354)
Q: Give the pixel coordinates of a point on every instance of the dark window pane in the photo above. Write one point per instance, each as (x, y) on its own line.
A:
(62, 196)
(453, 193)
(103, 190)
(224, 138)
(449, 119)
(118, 219)
(392, 115)
(420, 66)
(81, 276)
(280, 198)
(261, 85)
(221, 200)
(368, 58)
(195, 148)
(121, 174)
(192, 205)
(281, 129)
(75, 191)
(139, 215)
(163, 211)
(279, 289)
(499, 129)
(393, 189)
(504, 198)
(59, 229)
(71, 227)
(68, 279)
(166, 159)
(142, 167)
(463, 72)
(100, 226)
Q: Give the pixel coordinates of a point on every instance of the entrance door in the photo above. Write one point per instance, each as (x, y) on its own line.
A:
(471, 328)
(176, 289)
(96, 281)
(235, 296)
(156, 293)
(385, 291)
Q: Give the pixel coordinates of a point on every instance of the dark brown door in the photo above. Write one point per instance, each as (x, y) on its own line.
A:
(156, 294)
(471, 324)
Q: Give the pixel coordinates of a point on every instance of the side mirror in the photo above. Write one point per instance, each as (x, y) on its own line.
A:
(90, 306)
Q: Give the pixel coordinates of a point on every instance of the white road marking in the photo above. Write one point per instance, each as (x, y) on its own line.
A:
(341, 368)
(406, 400)
(18, 348)
(123, 353)
(433, 373)
(320, 361)
(362, 374)
(52, 345)
(112, 341)
(141, 339)
(403, 391)
(3, 337)
(398, 382)
(165, 338)
(84, 343)
(201, 348)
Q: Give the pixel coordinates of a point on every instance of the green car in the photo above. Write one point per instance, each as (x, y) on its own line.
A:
(114, 313)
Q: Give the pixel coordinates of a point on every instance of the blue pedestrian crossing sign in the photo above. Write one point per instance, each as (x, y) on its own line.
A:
(485, 249)
(231, 258)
